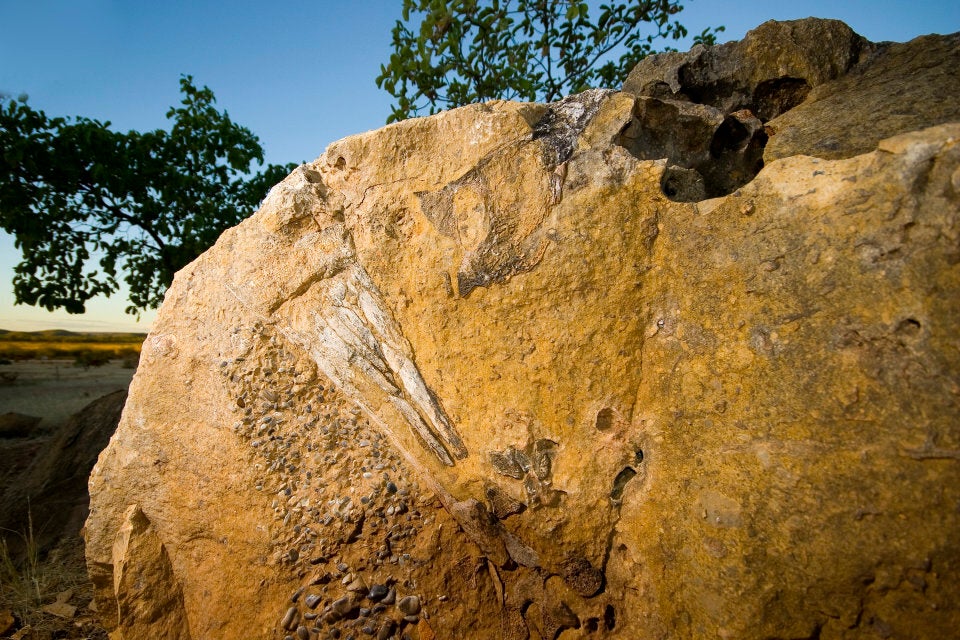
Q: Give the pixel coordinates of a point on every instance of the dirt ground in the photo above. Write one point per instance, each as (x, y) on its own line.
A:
(56, 389)
(45, 593)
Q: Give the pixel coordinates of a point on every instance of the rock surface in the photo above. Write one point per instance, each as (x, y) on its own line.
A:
(483, 375)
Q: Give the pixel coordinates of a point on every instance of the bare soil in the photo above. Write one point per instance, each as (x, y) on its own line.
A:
(37, 569)
(56, 389)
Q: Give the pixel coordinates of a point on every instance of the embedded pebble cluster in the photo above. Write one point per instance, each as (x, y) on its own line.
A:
(373, 611)
(534, 466)
(362, 543)
(335, 481)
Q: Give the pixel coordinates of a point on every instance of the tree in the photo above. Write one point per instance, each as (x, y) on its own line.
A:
(448, 53)
(85, 203)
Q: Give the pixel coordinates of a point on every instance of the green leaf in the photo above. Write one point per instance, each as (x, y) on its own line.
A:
(76, 194)
(448, 53)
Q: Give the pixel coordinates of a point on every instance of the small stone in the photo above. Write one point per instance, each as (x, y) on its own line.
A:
(386, 630)
(312, 601)
(409, 605)
(357, 586)
(343, 606)
(303, 633)
(378, 592)
(412, 618)
(369, 630)
(581, 576)
(391, 596)
(290, 619)
(364, 612)
(331, 617)
(296, 595)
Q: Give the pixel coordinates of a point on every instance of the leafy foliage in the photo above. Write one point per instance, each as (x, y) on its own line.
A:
(86, 204)
(449, 53)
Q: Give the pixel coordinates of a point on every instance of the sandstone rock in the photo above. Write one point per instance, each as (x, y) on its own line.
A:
(900, 87)
(704, 110)
(148, 596)
(769, 72)
(512, 379)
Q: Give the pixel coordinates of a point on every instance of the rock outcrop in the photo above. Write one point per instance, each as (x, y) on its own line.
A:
(507, 372)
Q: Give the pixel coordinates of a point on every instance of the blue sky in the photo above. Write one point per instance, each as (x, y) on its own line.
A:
(300, 75)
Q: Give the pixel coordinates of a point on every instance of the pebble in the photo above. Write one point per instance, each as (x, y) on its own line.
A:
(331, 617)
(386, 630)
(303, 633)
(343, 606)
(409, 605)
(312, 601)
(391, 596)
(358, 586)
(378, 592)
(290, 619)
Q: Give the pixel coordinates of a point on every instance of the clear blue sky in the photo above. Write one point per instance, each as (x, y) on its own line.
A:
(300, 75)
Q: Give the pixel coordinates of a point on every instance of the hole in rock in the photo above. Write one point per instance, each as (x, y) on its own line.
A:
(736, 154)
(592, 624)
(626, 475)
(909, 327)
(775, 97)
(638, 455)
(708, 153)
(604, 418)
(610, 617)
(730, 136)
(683, 185)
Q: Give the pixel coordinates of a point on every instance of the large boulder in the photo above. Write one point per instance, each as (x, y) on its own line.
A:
(483, 375)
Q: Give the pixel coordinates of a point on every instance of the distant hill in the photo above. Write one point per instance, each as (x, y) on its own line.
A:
(63, 335)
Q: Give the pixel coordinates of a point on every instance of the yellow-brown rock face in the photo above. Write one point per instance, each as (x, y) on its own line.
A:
(477, 375)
